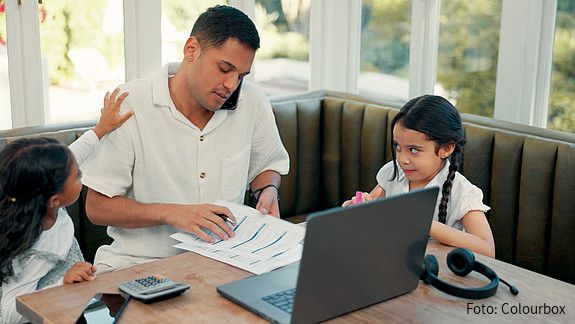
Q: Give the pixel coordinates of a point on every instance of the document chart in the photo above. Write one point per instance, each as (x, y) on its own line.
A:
(262, 242)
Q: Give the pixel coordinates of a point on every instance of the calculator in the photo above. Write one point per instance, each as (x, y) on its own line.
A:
(153, 288)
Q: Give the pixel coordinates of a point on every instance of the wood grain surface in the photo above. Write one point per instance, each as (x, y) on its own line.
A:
(202, 304)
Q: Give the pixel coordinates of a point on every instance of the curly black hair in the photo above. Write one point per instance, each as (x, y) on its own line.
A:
(440, 121)
(31, 171)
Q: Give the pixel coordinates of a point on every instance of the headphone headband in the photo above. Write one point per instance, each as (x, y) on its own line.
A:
(461, 262)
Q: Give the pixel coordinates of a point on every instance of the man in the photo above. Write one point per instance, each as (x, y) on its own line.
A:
(158, 174)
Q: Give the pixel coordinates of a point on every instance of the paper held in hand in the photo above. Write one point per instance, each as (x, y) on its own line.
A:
(262, 242)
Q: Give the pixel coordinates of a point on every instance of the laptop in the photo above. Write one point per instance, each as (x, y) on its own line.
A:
(353, 257)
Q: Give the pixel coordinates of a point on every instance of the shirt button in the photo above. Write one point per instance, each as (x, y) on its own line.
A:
(202, 175)
(201, 138)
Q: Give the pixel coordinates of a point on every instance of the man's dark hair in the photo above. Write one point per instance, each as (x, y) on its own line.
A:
(219, 23)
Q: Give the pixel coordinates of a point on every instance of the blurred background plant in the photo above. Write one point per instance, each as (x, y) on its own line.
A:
(2, 23)
(73, 24)
(284, 28)
(562, 102)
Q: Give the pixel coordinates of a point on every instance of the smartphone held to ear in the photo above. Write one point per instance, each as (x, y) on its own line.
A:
(104, 309)
(232, 102)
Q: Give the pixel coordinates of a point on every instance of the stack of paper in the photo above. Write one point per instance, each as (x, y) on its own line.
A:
(262, 243)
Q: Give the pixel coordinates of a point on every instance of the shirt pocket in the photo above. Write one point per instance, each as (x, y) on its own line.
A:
(234, 171)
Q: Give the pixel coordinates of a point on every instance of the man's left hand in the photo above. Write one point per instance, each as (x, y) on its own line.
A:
(268, 202)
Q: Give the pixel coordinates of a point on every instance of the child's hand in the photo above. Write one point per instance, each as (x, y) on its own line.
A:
(365, 197)
(80, 271)
(110, 117)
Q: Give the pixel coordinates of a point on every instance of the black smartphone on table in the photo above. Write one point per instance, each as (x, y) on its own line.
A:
(232, 102)
(104, 308)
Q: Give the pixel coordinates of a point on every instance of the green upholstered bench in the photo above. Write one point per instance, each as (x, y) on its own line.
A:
(337, 142)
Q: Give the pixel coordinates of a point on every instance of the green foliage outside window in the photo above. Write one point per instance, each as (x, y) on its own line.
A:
(467, 57)
(468, 49)
(67, 24)
(562, 101)
(283, 34)
(385, 37)
(76, 24)
(183, 14)
(467, 60)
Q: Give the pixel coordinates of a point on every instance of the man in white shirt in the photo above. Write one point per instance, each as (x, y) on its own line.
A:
(160, 173)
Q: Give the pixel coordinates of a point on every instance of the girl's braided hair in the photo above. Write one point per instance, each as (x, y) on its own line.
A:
(440, 121)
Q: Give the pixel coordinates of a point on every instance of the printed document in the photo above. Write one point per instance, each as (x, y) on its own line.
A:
(262, 242)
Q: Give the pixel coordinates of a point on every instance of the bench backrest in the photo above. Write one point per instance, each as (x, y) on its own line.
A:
(338, 142)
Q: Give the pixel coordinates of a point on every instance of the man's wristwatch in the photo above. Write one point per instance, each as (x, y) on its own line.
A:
(256, 193)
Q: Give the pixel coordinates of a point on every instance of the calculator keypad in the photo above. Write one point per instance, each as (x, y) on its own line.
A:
(152, 287)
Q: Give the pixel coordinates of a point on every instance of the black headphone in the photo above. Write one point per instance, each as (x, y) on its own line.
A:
(461, 262)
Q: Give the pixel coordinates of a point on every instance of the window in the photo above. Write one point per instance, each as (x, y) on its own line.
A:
(282, 62)
(384, 57)
(82, 44)
(467, 57)
(562, 99)
(178, 18)
(5, 111)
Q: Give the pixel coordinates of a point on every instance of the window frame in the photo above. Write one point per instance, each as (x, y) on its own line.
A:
(524, 67)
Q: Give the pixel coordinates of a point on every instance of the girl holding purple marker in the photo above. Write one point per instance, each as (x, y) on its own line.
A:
(428, 140)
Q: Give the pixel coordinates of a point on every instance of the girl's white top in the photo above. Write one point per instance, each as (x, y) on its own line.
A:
(464, 196)
(56, 250)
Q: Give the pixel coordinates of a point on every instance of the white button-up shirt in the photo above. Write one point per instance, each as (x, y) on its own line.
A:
(464, 196)
(159, 156)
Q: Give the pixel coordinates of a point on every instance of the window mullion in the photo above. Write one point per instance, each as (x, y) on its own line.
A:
(142, 38)
(335, 35)
(545, 64)
(423, 47)
(524, 62)
(28, 91)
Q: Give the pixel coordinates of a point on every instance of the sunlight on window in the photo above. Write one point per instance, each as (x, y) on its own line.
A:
(384, 62)
(282, 62)
(82, 46)
(467, 57)
(178, 18)
(5, 111)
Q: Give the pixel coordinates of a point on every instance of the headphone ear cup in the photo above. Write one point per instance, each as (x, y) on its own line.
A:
(431, 268)
(460, 261)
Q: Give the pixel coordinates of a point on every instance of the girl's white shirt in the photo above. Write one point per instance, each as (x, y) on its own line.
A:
(52, 246)
(464, 196)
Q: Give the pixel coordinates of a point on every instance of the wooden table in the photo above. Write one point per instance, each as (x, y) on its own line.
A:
(203, 304)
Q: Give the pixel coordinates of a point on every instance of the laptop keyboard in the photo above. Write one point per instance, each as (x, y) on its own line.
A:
(282, 300)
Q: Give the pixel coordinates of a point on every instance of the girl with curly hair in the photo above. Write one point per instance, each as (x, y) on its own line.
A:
(427, 141)
(38, 177)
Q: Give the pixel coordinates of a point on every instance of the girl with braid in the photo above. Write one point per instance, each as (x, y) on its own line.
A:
(428, 140)
(38, 178)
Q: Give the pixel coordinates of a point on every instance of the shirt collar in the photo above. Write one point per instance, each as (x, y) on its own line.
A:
(160, 90)
(440, 177)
